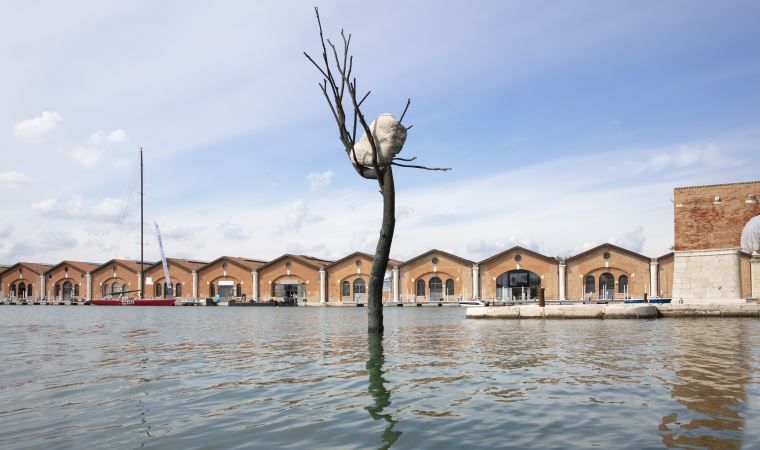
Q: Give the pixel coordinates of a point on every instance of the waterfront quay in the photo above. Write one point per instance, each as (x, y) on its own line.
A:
(707, 265)
(614, 311)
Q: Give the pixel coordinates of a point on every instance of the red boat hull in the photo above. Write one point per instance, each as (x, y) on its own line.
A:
(134, 302)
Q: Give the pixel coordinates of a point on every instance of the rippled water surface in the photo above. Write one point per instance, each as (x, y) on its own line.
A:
(89, 377)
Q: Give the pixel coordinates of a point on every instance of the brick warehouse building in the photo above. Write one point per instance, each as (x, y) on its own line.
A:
(707, 265)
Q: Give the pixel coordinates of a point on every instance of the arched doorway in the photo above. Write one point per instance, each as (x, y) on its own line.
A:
(116, 290)
(436, 289)
(517, 285)
(606, 286)
(226, 289)
(68, 290)
(289, 288)
(22, 290)
(360, 290)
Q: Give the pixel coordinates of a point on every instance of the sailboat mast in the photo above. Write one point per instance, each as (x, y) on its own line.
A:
(142, 245)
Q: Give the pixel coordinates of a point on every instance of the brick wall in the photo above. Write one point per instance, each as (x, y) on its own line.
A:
(703, 223)
(544, 267)
(423, 269)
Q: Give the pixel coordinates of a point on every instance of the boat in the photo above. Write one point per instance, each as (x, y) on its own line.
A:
(471, 303)
(650, 300)
(124, 301)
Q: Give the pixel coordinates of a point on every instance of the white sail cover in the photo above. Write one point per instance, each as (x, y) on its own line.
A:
(163, 258)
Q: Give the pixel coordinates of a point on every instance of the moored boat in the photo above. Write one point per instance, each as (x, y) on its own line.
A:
(134, 302)
(126, 301)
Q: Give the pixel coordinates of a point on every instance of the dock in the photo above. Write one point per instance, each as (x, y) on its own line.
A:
(615, 311)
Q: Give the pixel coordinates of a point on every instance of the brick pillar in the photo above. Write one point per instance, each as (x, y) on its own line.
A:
(255, 275)
(322, 286)
(394, 284)
(475, 281)
(654, 269)
(41, 292)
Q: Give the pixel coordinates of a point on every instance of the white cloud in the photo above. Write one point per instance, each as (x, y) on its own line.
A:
(45, 243)
(13, 179)
(5, 230)
(298, 216)
(114, 137)
(483, 248)
(316, 250)
(234, 231)
(37, 127)
(633, 240)
(108, 209)
(688, 156)
(87, 157)
(319, 179)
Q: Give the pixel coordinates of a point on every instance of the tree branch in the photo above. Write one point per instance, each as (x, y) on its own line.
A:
(398, 158)
(408, 102)
(442, 169)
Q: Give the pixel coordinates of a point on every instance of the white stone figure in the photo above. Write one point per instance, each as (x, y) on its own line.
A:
(389, 136)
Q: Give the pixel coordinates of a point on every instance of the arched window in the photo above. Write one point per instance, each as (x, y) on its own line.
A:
(157, 290)
(22, 289)
(211, 290)
(606, 286)
(76, 290)
(57, 290)
(359, 286)
(13, 290)
(106, 289)
(623, 284)
(449, 287)
(238, 290)
(116, 289)
(420, 288)
(178, 290)
(590, 284)
(345, 290)
(29, 291)
(436, 288)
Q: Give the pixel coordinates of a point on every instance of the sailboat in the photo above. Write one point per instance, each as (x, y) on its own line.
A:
(124, 301)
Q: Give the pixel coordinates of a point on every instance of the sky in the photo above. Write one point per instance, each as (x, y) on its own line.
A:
(567, 124)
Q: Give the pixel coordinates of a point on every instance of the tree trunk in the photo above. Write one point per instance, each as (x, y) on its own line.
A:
(380, 263)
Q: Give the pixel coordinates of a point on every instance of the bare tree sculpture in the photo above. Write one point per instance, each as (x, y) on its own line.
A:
(373, 156)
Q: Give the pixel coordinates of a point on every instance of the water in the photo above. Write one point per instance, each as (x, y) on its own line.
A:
(85, 377)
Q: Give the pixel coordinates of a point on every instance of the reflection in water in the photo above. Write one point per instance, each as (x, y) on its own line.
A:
(377, 389)
(712, 369)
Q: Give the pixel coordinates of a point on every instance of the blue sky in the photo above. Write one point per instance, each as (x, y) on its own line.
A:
(567, 124)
